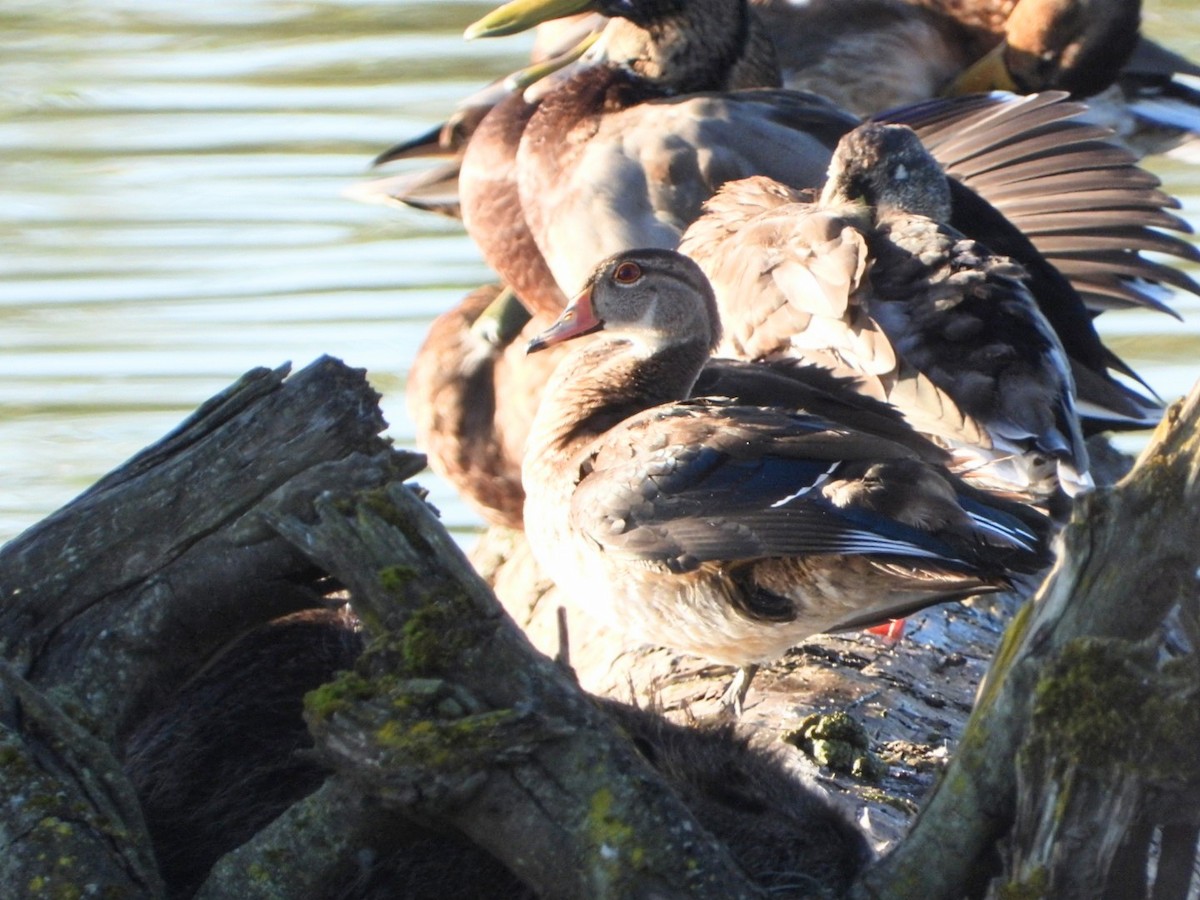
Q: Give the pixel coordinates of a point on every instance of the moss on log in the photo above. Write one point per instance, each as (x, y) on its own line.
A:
(1129, 557)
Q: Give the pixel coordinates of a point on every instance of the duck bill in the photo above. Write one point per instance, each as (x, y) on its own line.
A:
(503, 319)
(423, 145)
(577, 319)
(987, 74)
(530, 75)
(521, 15)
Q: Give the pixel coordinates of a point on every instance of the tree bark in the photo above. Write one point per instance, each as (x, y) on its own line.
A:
(168, 551)
(111, 602)
(461, 720)
(1129, 557)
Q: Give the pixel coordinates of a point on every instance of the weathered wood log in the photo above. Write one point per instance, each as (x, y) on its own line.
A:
(1110, 758)
(70, 818)
(279, 490)
(1129, 556)
(229, 751)
(459, 718)
(141, 606)
(110, 603)
(167, 552)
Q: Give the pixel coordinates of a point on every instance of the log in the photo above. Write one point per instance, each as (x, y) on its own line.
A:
(70, 817)
(1129, 557)
(129, 593)
(111, 603)
(458, 718)
(167, 551)
(280, 491)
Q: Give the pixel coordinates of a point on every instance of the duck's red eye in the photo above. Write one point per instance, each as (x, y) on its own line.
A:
(627, 273)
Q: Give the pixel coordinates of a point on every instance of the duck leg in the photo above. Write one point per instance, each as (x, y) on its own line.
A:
(734, 699)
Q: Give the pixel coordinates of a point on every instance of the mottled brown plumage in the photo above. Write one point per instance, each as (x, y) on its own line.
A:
(472, 393)
(607, 163)
(870, 280)
(727, 530)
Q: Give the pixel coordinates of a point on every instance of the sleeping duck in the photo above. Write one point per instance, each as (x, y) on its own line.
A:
(871, 55)
(727, 530)
(472, 393)
(870, 280)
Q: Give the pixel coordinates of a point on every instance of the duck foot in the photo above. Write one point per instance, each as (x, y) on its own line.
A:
(891, 631)
(734, 699)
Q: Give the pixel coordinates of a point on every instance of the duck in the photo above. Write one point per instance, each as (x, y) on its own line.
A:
(1080, 46)
(625, 152)
(869, 279)
(868, 56)
(1076, 235)
(557, 44)
(1095, 50)
(903, 51)
(872, 55)
(472, 393)
(725, 530)
(1050, 210)
(616, 157)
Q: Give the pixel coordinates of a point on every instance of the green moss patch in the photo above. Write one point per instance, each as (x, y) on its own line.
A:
(1104, 703)
(836, 741)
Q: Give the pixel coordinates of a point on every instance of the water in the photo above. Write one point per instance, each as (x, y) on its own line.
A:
(171, 215)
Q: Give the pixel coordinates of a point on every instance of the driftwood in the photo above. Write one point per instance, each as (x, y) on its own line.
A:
(280, 491)
(113, 601)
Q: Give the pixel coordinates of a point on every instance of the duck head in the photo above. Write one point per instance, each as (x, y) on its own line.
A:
(648, 298)
(678, 45)
(886, 168)
(1072, 45)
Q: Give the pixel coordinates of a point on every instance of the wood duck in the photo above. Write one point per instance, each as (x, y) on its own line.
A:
(727, 530)
(868, 279)
(472, 393)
